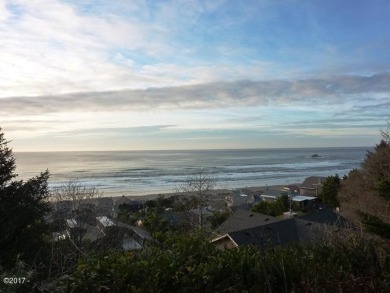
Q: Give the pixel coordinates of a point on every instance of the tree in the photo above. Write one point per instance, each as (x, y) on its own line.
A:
(195, 189)
(81, 209)
(7, 162)
(275, 208)
(330, 189)
(365, 195)
(218, 218)
(22, 211)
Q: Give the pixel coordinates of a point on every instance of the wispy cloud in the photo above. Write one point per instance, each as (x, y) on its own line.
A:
(128, 131)
(310, 92)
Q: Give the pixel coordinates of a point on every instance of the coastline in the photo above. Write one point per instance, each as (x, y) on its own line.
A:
(213, 194)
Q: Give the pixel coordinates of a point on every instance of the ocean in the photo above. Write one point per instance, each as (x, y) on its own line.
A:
(151, 172)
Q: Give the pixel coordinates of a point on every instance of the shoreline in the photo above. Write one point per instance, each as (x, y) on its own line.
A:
(214, 192)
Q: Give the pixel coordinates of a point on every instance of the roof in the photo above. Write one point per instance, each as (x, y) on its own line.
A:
(105, 221)
(300, 198)
(312, 180)
(326, 216)
(279, 233)
(273, 192)
(130, 244)
(305, 229)
(139, 231)
(291, 187)
(269, 196)
(243, 219)
(72, 223)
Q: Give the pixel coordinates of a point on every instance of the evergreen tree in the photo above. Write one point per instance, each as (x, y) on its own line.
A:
(330, 189)
(23, 206)
(7, 161)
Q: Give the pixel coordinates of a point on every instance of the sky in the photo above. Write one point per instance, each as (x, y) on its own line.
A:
(90, 75)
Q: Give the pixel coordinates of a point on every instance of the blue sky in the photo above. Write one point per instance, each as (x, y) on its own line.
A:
(133, 75)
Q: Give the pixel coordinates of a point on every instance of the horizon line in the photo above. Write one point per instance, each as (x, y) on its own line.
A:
(201, 149)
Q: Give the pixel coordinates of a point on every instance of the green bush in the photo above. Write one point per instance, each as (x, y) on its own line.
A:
(192, 264)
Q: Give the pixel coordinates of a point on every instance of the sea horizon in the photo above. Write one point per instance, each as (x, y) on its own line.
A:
(200, 149)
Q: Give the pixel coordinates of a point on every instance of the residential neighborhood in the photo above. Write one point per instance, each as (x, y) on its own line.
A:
(127, 220)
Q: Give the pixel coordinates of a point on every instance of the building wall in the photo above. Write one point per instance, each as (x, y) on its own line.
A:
(224, 243)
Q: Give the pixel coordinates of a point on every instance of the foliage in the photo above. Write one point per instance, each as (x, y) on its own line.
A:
(375, 225)
(7, 162)
(192, 264)
(330, 189)
(126, 216)
(157, 224)
(218, 218)
(365, 195)
(161, 202)
(22, 210)
(276, 208)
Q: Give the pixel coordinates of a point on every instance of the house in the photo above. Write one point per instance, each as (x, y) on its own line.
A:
(71, 227)
(303, 202)
(104, 206)
(272, 194)
(62, 209)
(327, 217)
(71, 223)
(103, 223)
(134, 237)
(237, 199)
(244, 219)
(127, 204)
(312, 186)
(310, 228)
(65, 206)
(292, 189)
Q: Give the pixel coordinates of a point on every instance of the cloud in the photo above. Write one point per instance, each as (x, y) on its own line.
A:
(53, 47)
(310, 92)
(133, 131)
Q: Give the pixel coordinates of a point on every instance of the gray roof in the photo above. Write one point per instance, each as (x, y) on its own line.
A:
(139, 231)
(327, 217)
(243, 219)
(273, 192)
(305, 229)
(278, 233)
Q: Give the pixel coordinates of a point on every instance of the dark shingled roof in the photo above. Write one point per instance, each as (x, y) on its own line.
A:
(326, 216)
(244, 219)
(305, 229)
(278, 233)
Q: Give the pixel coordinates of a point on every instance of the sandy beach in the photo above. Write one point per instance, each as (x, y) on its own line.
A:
(213, 194)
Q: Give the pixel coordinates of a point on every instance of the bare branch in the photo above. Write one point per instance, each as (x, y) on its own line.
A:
(195, 190)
